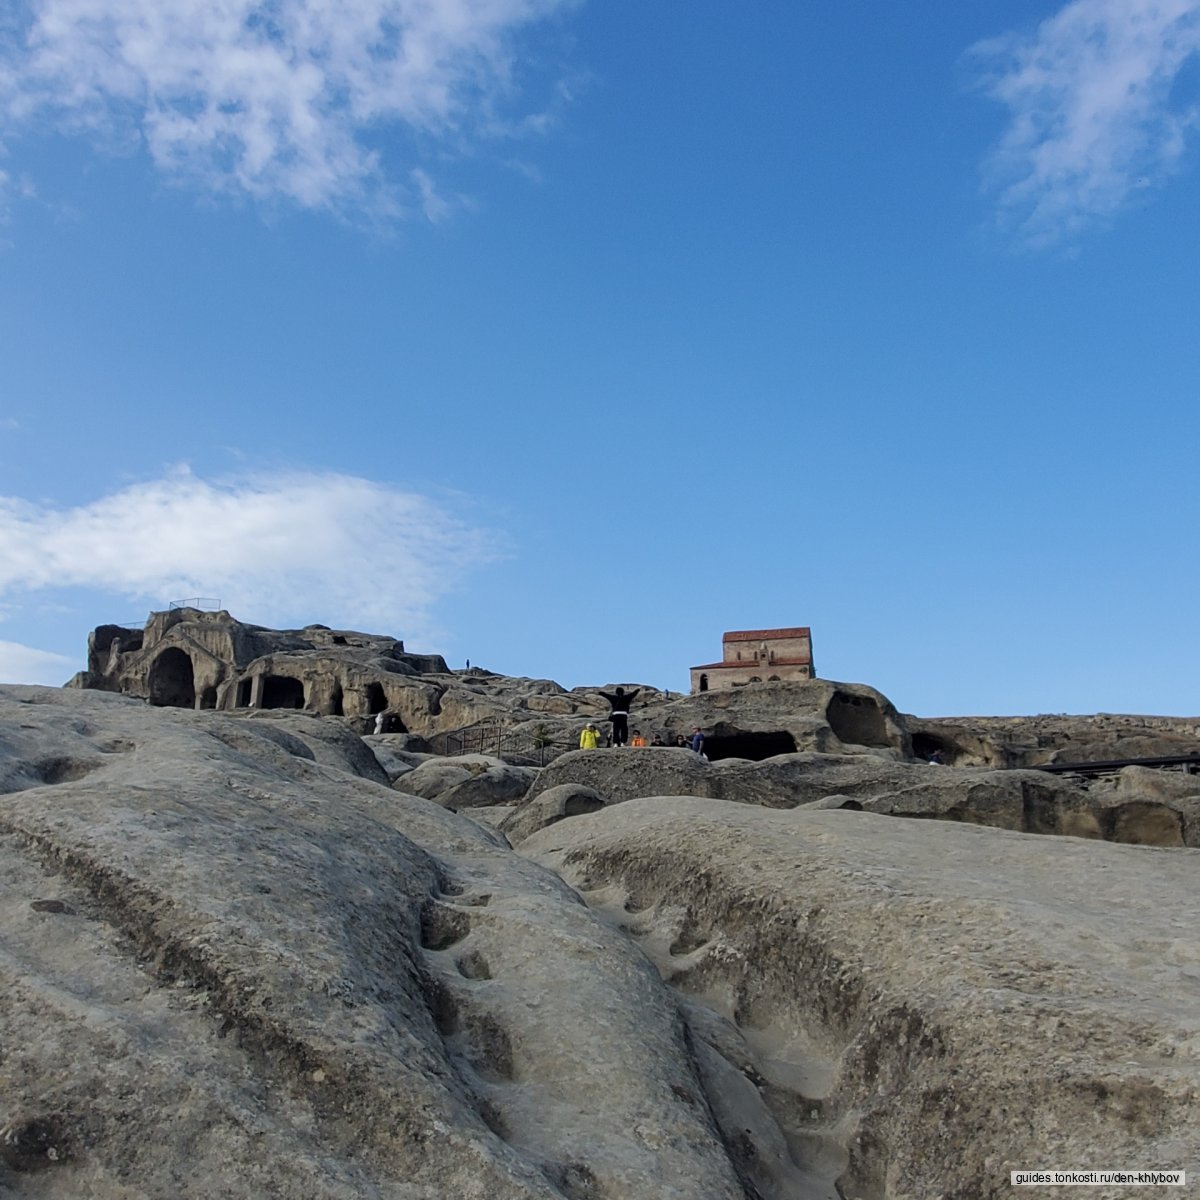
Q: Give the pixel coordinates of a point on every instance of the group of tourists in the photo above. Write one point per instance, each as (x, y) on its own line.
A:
(620, 702)
(590, 738)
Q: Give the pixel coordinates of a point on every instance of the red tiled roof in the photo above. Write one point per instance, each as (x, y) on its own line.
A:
(759, 635)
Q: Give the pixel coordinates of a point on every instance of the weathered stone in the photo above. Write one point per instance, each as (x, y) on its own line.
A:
(761, 720)
(391, 755)
(283, 979)
(1031, 741)
(626, 774)
(466, 782)
(920, 1007)
(553, 804)
(188, 658)
(501, 784)
(435, 775)
(1162, 814)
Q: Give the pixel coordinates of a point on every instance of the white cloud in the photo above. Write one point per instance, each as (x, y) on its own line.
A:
(1093, 116)
(270, 99)
(284, 549)
(24, 664)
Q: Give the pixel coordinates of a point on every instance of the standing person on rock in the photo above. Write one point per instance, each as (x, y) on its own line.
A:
(589, 737)
(620, 703)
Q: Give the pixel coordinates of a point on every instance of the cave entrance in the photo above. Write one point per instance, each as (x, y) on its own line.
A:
(754, 746)
(282, 691)
(857, 720)
(376, 699)
(925, 745)
(172, 680)
(208, 698)
(243, 693)
(335, 701)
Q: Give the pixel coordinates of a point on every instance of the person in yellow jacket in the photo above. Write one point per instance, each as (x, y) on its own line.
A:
(589, 737)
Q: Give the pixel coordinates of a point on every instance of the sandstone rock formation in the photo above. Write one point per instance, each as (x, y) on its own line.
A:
(469, 781)
(392, 754)
(242, 959)
(554, 804)
(912, 1009)
(233, 970)
(1144, 807)
(765, 719)
(1032, 741)
(195, 659)
(190, 658)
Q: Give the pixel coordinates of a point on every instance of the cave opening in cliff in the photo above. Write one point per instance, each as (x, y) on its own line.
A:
(243, 693)
(754, 746)
(282, 691)
(925, 745)
(208, 698)
(172, 680)
(376, 698)
(335, 701)
(857, 720)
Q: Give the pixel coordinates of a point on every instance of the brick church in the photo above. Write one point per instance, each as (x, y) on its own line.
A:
(757, 656)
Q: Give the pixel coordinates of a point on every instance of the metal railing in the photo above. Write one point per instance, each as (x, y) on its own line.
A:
(1189, 764)
(205, 603)
(536, 749)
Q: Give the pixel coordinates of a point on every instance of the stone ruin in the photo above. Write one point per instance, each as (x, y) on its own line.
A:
(189, 658)
(200, 659)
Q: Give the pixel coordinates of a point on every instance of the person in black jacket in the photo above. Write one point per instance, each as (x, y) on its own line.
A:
(620, 703)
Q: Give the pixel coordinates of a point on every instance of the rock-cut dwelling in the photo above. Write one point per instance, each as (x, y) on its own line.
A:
(757, 656)
(191, 658)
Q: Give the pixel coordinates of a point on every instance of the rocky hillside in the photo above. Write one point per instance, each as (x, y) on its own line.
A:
(301, 915)
(255, 954)
(188, 658)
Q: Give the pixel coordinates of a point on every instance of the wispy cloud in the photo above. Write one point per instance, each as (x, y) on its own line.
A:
(1093, 113)
(24, 664)
(283, 549)
(273, 99)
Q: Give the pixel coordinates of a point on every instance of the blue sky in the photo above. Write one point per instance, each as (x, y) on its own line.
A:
(565, 336)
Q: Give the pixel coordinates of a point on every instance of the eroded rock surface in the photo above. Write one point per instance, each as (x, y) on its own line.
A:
(554, 804)
(1143, 807)
(236, 968)
(468, 781)
(238, 962)
(916, 1008)
(1052, 738)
